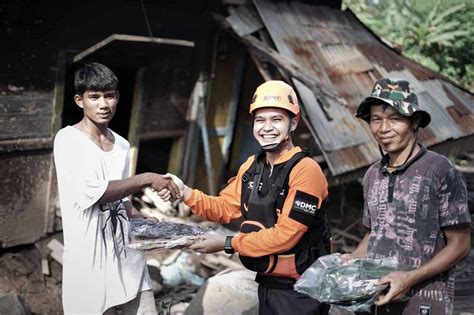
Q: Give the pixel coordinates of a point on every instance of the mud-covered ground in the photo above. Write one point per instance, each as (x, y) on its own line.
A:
(20, 273)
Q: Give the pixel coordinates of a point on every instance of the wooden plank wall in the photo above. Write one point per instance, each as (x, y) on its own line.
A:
(25, 166)
(25, 178)
(25, 115)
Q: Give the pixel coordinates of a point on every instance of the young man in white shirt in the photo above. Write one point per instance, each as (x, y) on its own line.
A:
(92, 166)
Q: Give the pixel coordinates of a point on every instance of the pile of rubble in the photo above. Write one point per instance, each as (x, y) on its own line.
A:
(180, 275)
(185, 282)
(30, 276)
(27, 285)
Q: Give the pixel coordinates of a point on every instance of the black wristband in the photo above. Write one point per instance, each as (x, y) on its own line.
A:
(228, 245)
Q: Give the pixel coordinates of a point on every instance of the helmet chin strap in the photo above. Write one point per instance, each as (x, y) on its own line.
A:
(274, 147)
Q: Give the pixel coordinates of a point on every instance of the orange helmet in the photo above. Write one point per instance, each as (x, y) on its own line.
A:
(275, 94)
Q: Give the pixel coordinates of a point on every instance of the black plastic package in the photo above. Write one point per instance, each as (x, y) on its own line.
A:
(148, 235)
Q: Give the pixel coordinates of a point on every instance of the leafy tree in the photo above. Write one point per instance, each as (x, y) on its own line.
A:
(435, 33)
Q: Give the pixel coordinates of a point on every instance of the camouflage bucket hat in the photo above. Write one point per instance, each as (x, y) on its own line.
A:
(396, 93)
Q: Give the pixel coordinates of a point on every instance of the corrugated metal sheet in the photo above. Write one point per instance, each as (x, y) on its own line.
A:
(244, 20)
(334, 125)
(342, 53)
(330, 124)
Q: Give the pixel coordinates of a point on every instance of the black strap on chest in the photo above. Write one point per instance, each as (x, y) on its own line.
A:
(251, 171)
(285, 172)
(254, 172)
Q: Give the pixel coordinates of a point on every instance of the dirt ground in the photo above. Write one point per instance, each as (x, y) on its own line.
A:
(20, 273)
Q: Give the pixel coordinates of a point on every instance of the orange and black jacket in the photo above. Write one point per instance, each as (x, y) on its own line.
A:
(284, 229)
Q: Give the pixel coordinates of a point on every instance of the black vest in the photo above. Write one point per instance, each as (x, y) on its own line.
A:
(260, 211)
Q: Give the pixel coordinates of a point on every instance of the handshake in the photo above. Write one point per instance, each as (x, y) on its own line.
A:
(170, 187)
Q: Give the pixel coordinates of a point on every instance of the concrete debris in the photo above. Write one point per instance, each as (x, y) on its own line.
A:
(178, 308)
(236, 290)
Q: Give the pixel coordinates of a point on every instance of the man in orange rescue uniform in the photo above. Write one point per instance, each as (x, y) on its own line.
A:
(279, 192)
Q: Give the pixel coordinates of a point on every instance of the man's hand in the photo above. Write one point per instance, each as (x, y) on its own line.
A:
(359, 253)
(208, 243)
(160, 183)
(400, 282)
(177, 181)
(184, 191)
(458, 244)
(345, 258)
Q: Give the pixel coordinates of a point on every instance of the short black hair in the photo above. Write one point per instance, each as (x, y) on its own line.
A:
(94, 77)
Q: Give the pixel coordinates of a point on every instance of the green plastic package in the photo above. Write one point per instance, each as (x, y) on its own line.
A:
(350, 286)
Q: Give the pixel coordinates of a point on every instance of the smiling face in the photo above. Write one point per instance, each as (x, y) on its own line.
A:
(393, 132)
(272, 125)
(99, 107)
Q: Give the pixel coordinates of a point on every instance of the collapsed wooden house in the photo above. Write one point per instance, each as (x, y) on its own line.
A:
(187, 71)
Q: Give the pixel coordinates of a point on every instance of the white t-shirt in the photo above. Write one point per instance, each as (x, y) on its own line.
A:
(98, 271)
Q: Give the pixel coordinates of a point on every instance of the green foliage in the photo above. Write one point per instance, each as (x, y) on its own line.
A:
(435, 33)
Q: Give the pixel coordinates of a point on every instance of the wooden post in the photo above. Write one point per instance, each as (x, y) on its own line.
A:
(58, 93)
(190, 156)
(135, 119)
(232, 115)
(56, 122)
(207, 149)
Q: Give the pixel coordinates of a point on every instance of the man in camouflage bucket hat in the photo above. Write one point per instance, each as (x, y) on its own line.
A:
(398, 94)
(415, 207)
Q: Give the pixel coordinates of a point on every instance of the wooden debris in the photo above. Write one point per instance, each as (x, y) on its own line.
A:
(183, 210)
(213, 267)
(346, 234)
(171, 258)
(44, 252)
(219, 259)
(131, 38)
(153, 213)
(57, 250)
(163, 206)
(45, 267)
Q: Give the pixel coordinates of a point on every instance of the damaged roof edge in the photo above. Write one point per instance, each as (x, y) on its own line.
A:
(287, 65)
(131, 38)
(320, 39)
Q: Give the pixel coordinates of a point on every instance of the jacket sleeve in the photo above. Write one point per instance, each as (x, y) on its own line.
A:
(307, 189)
(224, 207)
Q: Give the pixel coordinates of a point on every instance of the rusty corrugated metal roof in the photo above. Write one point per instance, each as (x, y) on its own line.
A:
(342, 53)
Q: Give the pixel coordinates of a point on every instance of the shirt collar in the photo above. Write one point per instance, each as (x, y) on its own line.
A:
(283, 157)
(386, 159)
